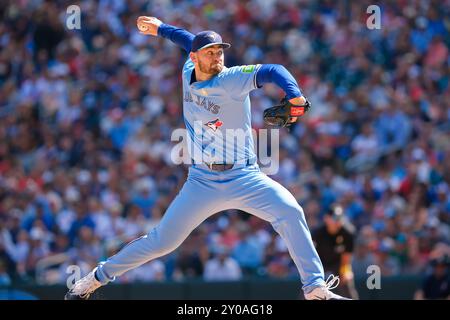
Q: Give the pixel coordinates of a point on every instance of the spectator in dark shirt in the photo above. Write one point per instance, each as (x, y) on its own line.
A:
(437, 284)
(334, 243)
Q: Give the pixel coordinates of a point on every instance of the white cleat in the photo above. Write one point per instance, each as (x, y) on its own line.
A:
(324, 293)
(83, 288)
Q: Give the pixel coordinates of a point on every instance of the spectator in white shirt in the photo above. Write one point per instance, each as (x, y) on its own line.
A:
(222, 268)
(366, 142)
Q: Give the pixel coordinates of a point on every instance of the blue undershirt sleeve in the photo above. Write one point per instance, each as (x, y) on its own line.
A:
(278, 74)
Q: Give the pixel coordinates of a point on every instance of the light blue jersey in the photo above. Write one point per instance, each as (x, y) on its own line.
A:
(217, 115)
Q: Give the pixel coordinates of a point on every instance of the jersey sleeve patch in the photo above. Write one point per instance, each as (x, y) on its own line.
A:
(248, 68)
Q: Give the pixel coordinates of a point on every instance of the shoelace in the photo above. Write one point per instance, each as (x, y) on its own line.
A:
(332, 282)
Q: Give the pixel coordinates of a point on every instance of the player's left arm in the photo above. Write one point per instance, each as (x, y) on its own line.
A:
(279, 75)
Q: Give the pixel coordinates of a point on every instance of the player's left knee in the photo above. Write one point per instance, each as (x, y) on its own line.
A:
(292, 212)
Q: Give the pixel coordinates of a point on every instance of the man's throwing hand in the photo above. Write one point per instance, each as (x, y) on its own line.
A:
(148, 25)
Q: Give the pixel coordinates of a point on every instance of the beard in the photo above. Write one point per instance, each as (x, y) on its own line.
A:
(210, 69)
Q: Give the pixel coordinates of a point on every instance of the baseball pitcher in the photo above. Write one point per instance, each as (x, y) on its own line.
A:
(223, 175)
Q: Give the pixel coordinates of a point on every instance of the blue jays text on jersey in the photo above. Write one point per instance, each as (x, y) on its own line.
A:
(202, 102)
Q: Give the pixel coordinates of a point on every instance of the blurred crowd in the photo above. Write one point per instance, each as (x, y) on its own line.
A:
(86, 118)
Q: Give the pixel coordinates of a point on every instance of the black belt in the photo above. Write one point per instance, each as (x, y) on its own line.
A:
(220, 166)
(226, 166)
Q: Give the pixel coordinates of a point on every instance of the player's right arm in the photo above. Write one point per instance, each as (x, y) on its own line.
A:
(155, 27)
(241, 80)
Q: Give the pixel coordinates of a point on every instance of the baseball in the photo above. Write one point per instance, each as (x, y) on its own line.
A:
(142, 27)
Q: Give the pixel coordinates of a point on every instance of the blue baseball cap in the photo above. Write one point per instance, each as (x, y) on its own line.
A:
(208, 38)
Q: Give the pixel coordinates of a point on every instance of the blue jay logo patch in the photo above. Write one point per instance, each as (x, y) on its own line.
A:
(214, 124)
